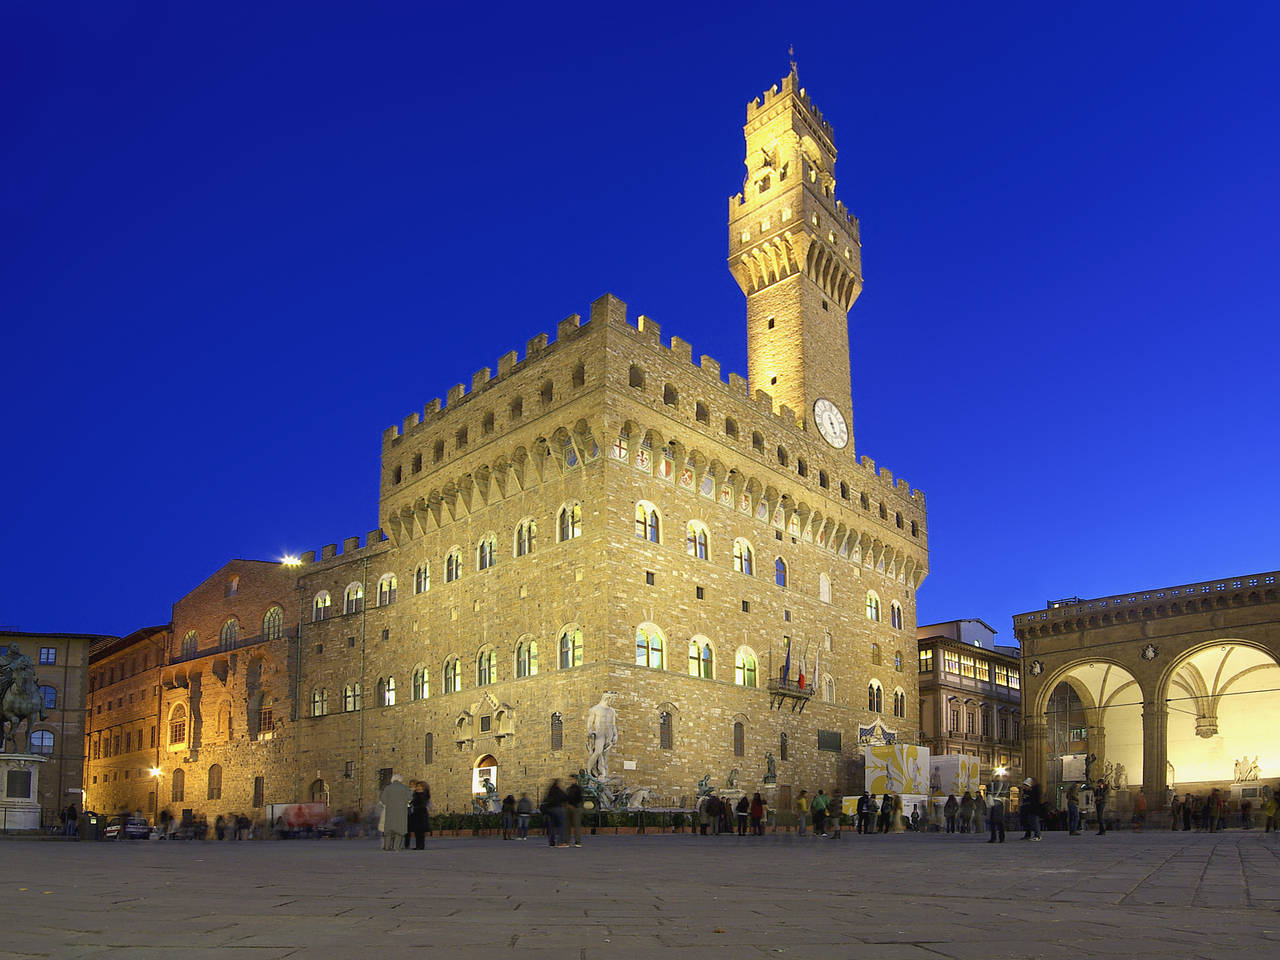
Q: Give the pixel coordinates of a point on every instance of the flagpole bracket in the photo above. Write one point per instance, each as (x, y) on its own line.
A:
(784, 692)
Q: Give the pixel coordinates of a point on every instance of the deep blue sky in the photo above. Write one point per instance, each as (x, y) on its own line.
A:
(241, 239)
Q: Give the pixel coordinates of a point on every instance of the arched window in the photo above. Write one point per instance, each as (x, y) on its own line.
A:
(190, 643)
(828, 689)
(452, 675)
(215, 782)
(824, 588)
(743, 557)
(731, 428)
(484, 668)
(421, 684)
(897, 661)
(648, 522)
(569, 522)
(453, 565)
(422, 578)
(579, 376)
(757, 442)
(178, 783)
(41, 742)
(319, 792)
(873, 606)
(649, 647)
(570, 646)
(875, 697)
(351, 697)
(516, 410)
(229, 634)
(895, 615)
(780, 572)
(782, 456)
(485, 553)
(49, 697)
(636, 377)
(353, 598)
(387, 589)
(273, 623)
(875, 654)
(802, 468)
(670, 396)
(665, 738)
(700, 412)
(822, 479)
(547, 393)
(744, 667)
(178, 725)
(899, 703)
(695, 540)
(527, 658)
(321, 607)
(897, 520)
(739, 739)
(526, 538)
(701, 661)
(387, 692)
(319, 702)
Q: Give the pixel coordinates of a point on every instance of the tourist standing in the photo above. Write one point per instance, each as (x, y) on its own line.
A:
(757, 813)
(573, 810)
(802, 812)
(419, 813)
(1187, 807)
(863, 811)
(966, 812)
(742, 811)
(1100, 793)
(508, 815)
(979, 811)
(1073, 811)
(524, 811)
(949, 812)
(995, 816)
(1032, 799)
(1271, 807)
(819, 808)
(395, 813)
(1139, 812)
(553, 813)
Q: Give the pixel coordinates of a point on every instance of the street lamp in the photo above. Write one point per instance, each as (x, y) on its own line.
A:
(156, 773)
(289, 560)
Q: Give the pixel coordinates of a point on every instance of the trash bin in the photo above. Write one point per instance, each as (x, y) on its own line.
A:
(89, 827)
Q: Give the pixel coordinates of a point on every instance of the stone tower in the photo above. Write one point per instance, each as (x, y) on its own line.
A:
(794, 250)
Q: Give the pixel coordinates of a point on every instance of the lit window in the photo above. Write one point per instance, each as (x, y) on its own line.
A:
(387, 692)
(926, 661)
(746, 235)
(422, 578)
(452, 675)
(786, 214)
(873, 606)
(319, 702)
(780, 572)
(527, 658)
(696, 540)
(899, 703)
(190, 642)
(743, 557)
(570, 646)
(229, 634)
(485, 553)
(700, 658)
(649, 646)
(353, 598)
(526, 538)
(48, 656)
(485, 674)
(421, 684)
(49, 697)
(273, 624)
(178, 726)
(569, 523)
(744, 667)
(453, 565)
(648, 522)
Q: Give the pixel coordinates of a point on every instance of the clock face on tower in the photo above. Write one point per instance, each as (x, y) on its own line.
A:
(830, 423)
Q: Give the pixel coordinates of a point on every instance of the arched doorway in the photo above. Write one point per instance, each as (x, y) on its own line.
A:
(1093, 728)
(1222, 709)
(486, 766)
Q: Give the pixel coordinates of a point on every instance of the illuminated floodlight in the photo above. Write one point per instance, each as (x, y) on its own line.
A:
(155, 771)
(1002, 771)
(289, 560)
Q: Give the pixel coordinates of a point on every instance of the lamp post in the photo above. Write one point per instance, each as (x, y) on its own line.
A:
(156, 774)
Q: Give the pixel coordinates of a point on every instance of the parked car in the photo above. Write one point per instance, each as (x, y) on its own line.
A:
(127, 828)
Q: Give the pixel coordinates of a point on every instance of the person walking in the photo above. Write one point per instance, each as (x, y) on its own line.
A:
(995, 817)
(819, 808)
(1073, 811)
(949, 812)
(524, 812)
(802, 813)
(979, 811)
(1271, 808)
(508, 816)
(573, 810)
(553, 812)
(742, 811)
(966, 812)
(1100, 793)
(395, 813)
(419, 813)
(757, 814)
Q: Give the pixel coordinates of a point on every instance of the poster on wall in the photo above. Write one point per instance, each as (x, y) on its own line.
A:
(896, 768)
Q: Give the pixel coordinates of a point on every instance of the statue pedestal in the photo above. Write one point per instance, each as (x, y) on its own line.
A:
(1246, 790)
(19, 790)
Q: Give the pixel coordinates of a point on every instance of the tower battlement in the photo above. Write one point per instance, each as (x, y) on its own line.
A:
(790, 87)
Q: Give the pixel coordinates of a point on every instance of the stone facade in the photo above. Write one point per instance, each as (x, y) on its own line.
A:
(60, 661)
(600, 488)
(1193, 665)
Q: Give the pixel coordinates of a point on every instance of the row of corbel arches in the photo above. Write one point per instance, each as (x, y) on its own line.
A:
(734, 487)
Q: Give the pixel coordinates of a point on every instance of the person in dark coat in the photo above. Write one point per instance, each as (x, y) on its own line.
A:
(757, 815)
(743, 809)
(553, 810)
(1100, 805)
(864, 813)
(508, 815)
(573, 810)
(1032, 805)
(949, 812)
(419, 813)
(995, 815)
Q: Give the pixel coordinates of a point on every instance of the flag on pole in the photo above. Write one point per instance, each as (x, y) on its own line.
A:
(817, 680)
(786, 667)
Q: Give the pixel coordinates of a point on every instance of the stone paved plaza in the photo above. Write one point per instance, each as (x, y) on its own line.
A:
(908, 897)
